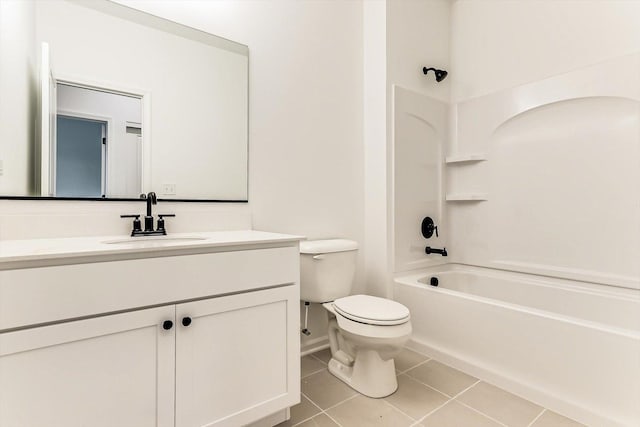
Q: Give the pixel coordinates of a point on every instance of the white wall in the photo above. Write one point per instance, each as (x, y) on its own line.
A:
(376, 241)
(499, 44)
(418, 36)
(18, 96)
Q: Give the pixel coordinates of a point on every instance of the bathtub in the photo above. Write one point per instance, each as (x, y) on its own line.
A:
(573, 347)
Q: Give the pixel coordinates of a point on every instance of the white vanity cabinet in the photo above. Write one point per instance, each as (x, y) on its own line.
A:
(232, 363)
(200, 339)
(113, 370)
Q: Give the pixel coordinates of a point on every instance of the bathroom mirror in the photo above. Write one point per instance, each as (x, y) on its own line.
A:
(102, 101)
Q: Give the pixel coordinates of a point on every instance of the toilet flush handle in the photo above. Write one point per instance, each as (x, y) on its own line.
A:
(319, 257)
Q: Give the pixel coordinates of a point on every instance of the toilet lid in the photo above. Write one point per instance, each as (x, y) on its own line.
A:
(372, 310)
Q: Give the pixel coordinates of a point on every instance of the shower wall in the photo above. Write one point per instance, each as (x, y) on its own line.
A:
(561, 177)
(420, 133)
(554, 112)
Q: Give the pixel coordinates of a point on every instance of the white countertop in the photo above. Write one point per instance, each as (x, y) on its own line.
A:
(41, 252)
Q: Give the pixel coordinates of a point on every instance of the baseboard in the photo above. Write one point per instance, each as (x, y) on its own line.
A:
(316, 344)
(543, 398)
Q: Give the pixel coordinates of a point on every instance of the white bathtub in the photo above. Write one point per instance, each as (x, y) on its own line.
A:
(570, 346)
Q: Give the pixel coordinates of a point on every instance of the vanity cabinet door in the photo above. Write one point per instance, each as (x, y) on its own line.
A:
(237, 357)
(115, 370)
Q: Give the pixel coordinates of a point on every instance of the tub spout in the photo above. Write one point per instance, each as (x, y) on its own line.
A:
(429, 250)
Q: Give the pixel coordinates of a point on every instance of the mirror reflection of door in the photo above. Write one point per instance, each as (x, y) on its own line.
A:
(97, 168)
(80, 157)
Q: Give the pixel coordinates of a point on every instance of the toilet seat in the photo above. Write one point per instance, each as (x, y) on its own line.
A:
(372, 310)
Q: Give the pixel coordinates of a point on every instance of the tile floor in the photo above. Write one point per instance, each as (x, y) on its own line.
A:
(430, 394)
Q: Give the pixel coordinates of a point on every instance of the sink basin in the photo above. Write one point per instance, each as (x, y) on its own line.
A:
(154, 240)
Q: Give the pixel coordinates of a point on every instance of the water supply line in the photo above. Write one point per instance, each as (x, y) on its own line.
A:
(306, 319)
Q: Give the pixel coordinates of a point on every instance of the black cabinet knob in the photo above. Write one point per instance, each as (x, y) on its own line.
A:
(186, 321)
(167, 324)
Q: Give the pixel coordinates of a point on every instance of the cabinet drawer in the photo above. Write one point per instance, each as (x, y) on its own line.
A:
(49, 294)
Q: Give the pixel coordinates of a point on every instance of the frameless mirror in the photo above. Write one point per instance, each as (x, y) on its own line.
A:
(98, 100)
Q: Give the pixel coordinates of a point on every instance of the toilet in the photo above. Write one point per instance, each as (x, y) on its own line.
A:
(365, 332)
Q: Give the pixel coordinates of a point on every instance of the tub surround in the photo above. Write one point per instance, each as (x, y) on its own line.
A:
(150, 330)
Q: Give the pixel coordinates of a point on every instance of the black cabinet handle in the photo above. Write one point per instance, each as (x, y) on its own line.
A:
(167, 324)
(186, 321)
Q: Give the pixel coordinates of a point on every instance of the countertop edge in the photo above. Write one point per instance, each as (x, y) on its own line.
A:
(80, 250)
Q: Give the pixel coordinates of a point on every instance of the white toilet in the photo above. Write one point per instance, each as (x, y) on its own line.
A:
(365, 332)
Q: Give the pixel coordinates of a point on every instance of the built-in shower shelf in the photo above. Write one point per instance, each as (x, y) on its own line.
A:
(466, 197)
(466, 158)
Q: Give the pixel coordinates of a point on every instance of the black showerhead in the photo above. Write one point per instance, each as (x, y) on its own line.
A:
(440, 74)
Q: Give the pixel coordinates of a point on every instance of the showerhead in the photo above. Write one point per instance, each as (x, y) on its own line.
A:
(440, 74)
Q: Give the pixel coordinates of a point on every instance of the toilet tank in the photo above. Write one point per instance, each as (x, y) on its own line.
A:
(327, 268)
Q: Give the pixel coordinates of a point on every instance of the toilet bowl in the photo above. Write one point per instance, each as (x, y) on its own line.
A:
(370, 338)
(365, 332)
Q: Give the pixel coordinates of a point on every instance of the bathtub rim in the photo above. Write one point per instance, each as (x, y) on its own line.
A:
(412, 280)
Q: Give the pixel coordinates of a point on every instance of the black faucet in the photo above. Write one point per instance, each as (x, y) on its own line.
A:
(148, 219)
(429, 250)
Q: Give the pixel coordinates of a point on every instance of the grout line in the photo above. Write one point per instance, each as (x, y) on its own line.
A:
(332, 419)
(413, 367)
(305, 420)
(439, 391)
(312, 402)
(314, 372)
(536, 418)
(318, 359)
(482, 413)
(472, 385)
(432, 411)
(399, 410)
(451, 399)
(340, 403)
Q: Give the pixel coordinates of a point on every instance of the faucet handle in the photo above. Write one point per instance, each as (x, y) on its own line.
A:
(161, 222)
(137, 225)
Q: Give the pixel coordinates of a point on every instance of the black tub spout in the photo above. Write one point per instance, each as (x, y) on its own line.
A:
(429, 250)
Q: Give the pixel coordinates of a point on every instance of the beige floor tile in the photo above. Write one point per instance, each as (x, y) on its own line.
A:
(551, 419)
(408, 359)
(310, 365)
(442, 377)
(321, 420)
(300, 412)
(323, 355)
(500, 405)
(453, 414)
(415, 399)
(364, 411)
(325, 390)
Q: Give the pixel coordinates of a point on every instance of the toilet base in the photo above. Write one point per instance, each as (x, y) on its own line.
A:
(359, 375)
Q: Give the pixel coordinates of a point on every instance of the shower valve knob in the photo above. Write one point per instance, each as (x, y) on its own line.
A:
(429, 227)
